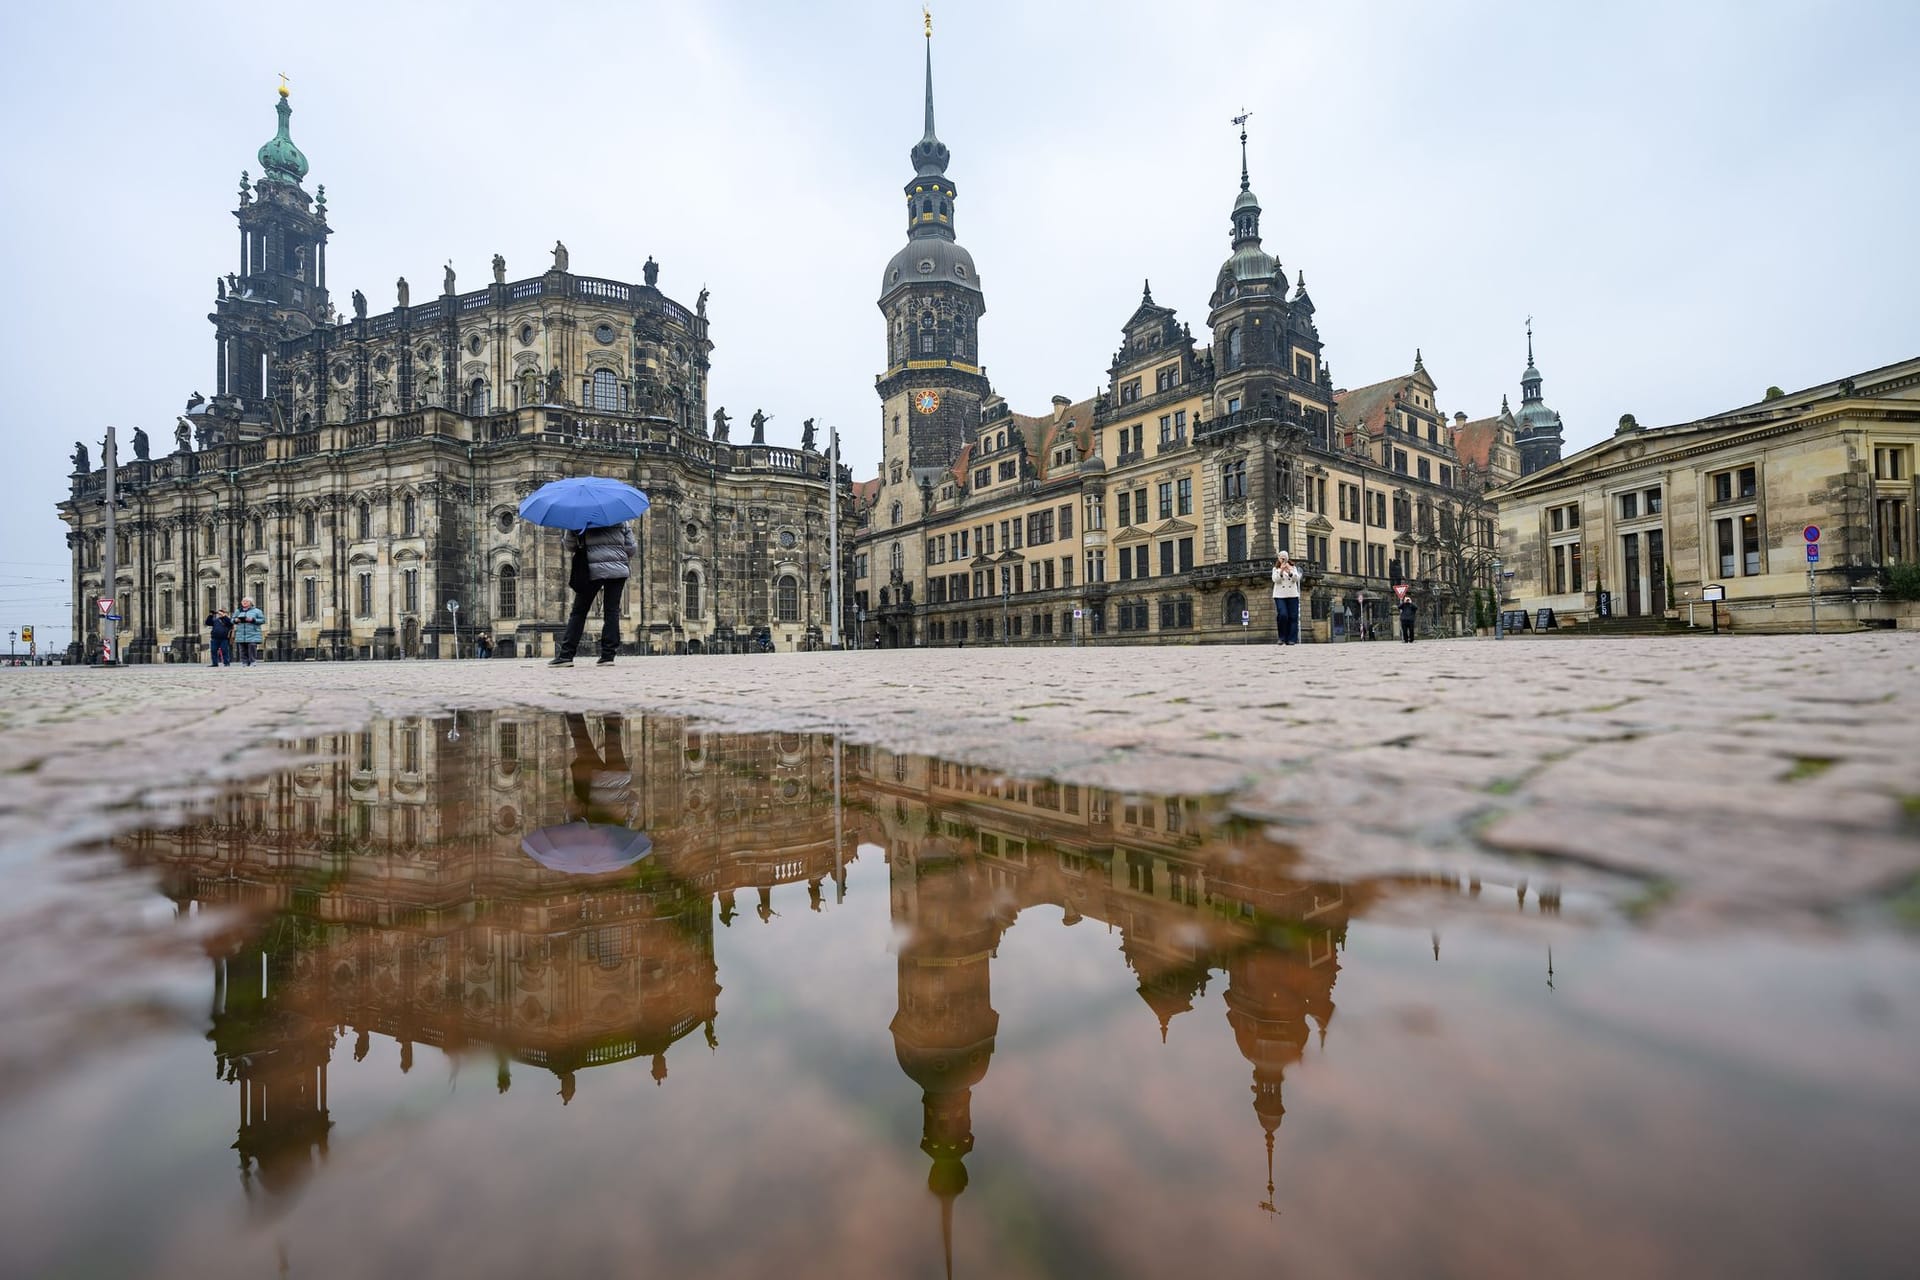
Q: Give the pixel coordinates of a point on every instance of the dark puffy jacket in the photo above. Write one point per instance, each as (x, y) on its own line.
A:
(222, 627)
(608, 551)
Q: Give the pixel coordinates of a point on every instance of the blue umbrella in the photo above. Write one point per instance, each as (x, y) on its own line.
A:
(583, 502)
(586, 848)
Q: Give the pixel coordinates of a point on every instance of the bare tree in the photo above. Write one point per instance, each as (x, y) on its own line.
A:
(1461, 540)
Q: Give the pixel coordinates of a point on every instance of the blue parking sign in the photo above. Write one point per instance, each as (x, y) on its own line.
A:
(1813, 553)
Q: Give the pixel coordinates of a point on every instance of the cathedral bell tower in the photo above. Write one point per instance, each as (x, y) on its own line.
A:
(280, 289)
(930, 295)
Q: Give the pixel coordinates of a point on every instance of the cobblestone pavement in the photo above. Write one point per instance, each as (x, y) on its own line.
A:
(1690, 778)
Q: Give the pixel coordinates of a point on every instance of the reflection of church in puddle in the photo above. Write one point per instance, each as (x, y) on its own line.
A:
(389, 896)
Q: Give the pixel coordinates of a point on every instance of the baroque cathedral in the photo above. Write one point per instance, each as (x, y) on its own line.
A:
(1152, 511)
(356, 474)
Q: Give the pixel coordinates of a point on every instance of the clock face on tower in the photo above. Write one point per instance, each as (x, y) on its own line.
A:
(926, 401)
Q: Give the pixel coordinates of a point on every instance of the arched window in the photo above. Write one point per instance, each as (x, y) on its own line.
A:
(363, 522)
(606, 390)
(1233, 348)
(690, 590)
(786, 599)
(1235, 606)
(509, 605)
(409, 516)
(897, 559)
(476, 397)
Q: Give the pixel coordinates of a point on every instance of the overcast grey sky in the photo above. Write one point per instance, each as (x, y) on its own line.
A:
(1693, 200)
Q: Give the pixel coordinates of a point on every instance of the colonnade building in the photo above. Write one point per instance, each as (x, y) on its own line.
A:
(353, 474)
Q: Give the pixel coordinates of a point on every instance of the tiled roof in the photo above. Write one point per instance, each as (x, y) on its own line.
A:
(1367, 406)
(1474, 441)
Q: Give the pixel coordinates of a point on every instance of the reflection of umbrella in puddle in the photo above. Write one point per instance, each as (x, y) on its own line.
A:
(586, 848)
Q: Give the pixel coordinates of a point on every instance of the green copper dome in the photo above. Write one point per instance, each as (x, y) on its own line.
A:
(280, 159)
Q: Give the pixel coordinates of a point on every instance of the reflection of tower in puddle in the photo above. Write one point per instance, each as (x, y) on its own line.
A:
(278, 1056)
(944, 1029)
(1273, 987)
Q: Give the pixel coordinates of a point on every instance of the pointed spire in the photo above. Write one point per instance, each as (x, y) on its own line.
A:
(1241, 120)
(1419, 365)
(1146, 293)
(930, 135)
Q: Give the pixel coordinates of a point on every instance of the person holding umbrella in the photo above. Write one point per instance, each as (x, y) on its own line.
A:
(600, 547)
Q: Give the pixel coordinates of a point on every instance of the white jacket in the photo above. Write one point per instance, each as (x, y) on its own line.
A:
(1286, 583)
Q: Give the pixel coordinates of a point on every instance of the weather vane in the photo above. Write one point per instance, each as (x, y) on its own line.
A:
(927, 14)
(1241, 119)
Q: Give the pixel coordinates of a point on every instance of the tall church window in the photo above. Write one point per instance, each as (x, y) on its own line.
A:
(363, 522)
(476, 397)
(606, 390)
(509, 593)
(690, 592)
(309, 528)
(206, 541)
(786, 599)
(1233, 348)
(926, 333)
(259, 534)
(409, 516)
(897, 559)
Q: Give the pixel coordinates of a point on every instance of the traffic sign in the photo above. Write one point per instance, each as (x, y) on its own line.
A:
(26, 635)
(1813, 553)
(1245, 617)
(114, 617)
(1811, 533)
(1400, 590)
(106, 605)
(1079, 613)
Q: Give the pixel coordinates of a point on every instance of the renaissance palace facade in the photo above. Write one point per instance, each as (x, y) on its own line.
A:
(354, 474)
(1151, 512)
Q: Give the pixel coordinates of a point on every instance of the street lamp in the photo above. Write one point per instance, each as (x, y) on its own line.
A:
(1499, 618)
(11, 637)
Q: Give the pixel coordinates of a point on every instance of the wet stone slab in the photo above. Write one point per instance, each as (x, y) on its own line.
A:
(1066, 962)
(584, 986)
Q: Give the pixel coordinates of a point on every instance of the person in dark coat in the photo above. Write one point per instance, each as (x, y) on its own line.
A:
(1408, 613)
(600, 564)
(220, 624)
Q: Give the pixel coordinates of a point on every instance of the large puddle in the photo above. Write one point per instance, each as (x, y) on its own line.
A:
(534, 994)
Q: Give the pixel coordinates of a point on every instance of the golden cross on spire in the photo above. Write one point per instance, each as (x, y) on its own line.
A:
(284, 90)
(927, 14)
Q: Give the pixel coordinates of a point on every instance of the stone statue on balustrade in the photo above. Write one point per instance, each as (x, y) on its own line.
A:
(651, 272)
(401, 291)
(499, 268)
(700, 307)
(359, 305)
(82, 464)
(559, 256)
(447, 285)
(140, 445)
(759, 427)
(556, 386)
(806, 434)
(720, 423)
(183, 436)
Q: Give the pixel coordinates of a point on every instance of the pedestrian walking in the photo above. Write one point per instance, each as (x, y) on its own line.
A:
(1408, 612)
(600, 564)
(247, 632)
(220, 624)
(485, 646)
(1286, 599)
